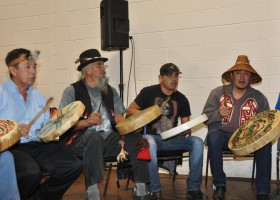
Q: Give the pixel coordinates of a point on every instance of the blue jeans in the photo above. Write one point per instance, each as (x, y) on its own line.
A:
(8, 183)
(192, 144)
(218, 141)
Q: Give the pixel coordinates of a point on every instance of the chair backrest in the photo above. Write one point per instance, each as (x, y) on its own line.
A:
(171, 155)
(170, 159)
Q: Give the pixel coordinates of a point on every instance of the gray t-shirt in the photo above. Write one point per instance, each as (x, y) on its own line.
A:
(105, 128)
(252, 103)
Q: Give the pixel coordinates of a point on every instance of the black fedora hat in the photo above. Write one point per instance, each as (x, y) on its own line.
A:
(89, 56)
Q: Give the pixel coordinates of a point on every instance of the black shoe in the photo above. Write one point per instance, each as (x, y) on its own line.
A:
(262, 197)
(196, 195)
(135, 197)
(155, 196)
(219, 193)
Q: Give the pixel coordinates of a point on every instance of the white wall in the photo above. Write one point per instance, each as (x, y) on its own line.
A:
(202, 37)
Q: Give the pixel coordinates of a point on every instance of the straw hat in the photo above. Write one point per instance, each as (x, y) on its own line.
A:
(242, 63)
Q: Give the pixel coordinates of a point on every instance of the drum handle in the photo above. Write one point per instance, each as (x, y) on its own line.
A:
(225, 93)
(165, 102)
(48, 103)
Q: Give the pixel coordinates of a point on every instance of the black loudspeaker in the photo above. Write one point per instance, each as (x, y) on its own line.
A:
(114, 24)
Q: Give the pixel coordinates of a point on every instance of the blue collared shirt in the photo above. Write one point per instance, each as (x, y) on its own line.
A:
(13, 107)
(277, 107)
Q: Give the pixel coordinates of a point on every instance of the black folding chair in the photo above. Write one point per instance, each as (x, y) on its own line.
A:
(227, 154)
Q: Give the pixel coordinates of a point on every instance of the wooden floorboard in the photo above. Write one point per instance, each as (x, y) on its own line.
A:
(237, 189)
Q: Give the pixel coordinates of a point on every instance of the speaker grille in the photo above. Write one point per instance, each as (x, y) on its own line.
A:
(114, 24)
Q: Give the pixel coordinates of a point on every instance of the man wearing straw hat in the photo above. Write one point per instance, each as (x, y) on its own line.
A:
(227, 108)
(94, 136)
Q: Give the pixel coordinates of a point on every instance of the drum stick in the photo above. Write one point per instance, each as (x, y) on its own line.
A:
(48, 103)
(225, 93)
(85, 117)
(165, 102)
(99, 106)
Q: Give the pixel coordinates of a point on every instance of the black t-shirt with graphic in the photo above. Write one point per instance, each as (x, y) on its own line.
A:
(177, 106)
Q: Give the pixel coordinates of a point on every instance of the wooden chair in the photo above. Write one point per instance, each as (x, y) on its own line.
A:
(227, 154)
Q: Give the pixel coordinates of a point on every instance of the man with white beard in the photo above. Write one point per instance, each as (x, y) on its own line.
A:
(94, 135)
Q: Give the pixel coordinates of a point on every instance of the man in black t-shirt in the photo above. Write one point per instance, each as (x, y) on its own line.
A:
(177, 107)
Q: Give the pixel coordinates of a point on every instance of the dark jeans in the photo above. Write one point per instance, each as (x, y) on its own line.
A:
(92, 147)
(31, 158)
(218, 141)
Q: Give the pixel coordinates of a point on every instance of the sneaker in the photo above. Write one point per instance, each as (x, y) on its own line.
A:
(135, 197)
(262, 197)
(155, 196)
(196, 195)
(219, 193)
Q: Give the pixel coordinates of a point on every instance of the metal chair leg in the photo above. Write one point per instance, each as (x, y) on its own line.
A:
(253, 171)
(107, 180)
(277, 175)
(175, 171)
(207, 166)
(127, 183)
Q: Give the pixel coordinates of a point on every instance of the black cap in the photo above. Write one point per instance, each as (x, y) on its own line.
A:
(89, 56)
(169, 68)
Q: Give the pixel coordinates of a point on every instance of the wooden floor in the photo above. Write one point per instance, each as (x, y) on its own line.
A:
(237, 189)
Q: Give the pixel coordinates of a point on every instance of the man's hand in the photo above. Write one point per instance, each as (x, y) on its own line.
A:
(94, 119)
(224, 111)
(24, 129)
(185, 133)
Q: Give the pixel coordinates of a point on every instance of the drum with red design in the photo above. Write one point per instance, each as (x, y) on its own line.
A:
(9, 133)
(262, 129)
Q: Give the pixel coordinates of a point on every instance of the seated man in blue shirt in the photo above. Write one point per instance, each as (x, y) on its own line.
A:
(277, 107)
(20, 101)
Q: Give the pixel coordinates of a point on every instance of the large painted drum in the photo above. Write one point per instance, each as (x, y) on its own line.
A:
(262, 129)
(62, 121)
(9, 133)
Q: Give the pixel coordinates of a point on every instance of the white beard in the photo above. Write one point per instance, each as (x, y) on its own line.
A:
(102, 83)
